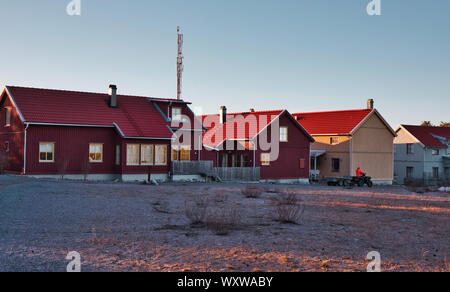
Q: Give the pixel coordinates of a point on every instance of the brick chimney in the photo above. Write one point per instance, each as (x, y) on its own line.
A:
(370, 103)
(223, 114)
(252, 110)
(113, 95)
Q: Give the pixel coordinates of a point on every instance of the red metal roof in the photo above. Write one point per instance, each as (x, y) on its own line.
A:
(239, 126)
(135, 117)
(426, 135)
(332, 122)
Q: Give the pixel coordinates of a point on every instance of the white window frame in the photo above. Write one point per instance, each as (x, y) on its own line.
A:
(118, 160)
(158, 147)
(53, 152)
(101, 153)
(8, 116)
(409, 149)
(147, 146)
(334, 140)
(177, 117)
(284, 134)
(265, 159)
(137, 153)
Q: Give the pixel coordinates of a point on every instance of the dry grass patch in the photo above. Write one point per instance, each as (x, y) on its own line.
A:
(252, 192)
(289, 208)
(222, 220)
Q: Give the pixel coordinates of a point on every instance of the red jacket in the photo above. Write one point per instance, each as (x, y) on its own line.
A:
(359, 172)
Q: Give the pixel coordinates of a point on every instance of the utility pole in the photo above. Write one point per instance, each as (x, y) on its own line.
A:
(179, 63)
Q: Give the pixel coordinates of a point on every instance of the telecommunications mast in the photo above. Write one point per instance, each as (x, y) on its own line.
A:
(179, 63)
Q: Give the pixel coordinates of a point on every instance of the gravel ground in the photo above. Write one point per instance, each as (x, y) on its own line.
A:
(132, 227)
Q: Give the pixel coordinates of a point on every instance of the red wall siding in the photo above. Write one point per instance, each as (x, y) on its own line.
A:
(72, 147)
(287, 166)
(13, 134)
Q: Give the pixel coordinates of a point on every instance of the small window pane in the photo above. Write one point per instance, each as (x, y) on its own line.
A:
(117, 154)
(265, 159)
(95, 152)
(185, 153)
(132, 154)
(336, 165)
(161, 154)
(146, 154)
(283, 134)
(8, 117)
(46, 152)
(176, 114)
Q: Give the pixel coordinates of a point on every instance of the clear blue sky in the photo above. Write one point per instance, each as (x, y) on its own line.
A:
(303, 55)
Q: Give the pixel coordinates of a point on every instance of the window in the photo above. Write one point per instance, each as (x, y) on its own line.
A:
(435, 151)
(185, 154)
(147, 154)
(302, 163)
(225, 160)
(435, 172)
(95, 153)
(7, 117)
(243, 160)
(334, 140)
(335, 164)
(410, 172)
(175, 153)
(117, 154)
(161, 155)
(7, 146)
(265, 159)
(409, 149)
(283, 134)
(181, 153)
(46, 152)
(176, 114)
(447, 172)
(234, 160)
(133, 154)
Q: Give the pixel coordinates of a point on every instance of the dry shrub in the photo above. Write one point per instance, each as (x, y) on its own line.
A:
(251, 192)
(3, 162)
(220, 197)
(62, 167)
(85, 169)
(197, 209)
(414, 183)
(289, 208)
(222, 220)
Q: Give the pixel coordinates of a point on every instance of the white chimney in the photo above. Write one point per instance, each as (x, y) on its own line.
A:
(370, 104)
(113, 95)
(223, 114)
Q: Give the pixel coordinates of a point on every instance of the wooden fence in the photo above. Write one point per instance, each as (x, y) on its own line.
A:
(206, 168)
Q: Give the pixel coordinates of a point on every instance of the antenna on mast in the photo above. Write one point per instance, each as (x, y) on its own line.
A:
(180, 67)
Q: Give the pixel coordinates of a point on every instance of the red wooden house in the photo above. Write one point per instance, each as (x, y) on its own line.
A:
(271, 140)
(50, 133)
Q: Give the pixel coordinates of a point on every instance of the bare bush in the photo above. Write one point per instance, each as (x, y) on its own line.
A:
(289, 208)
(85, 169)
(197, 210)
(3, 162)
(62, 167)
(220, 197)
(251, 192)
(222, 220)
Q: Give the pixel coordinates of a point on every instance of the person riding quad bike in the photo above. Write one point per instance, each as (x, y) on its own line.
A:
(362, 179)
